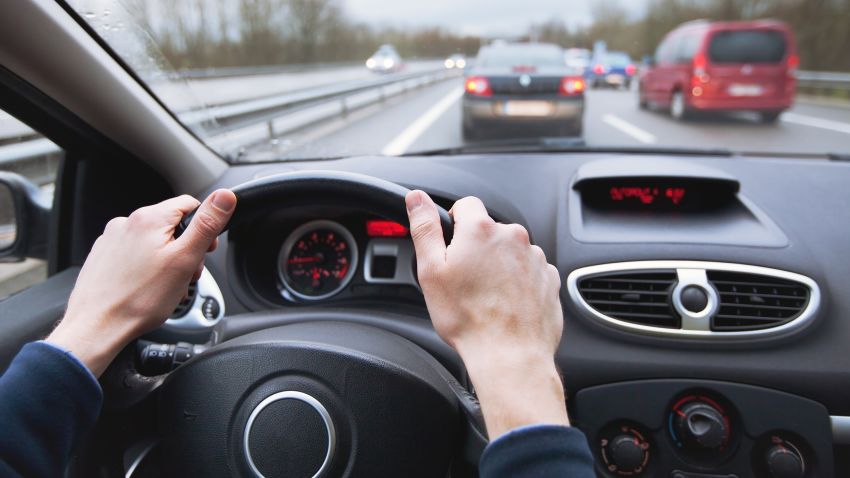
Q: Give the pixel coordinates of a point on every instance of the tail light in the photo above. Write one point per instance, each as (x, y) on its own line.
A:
(699, 77)
(700, 63)
(571, 85)
(630, 70)
(478, 86)
(793, 64)
(598, 69)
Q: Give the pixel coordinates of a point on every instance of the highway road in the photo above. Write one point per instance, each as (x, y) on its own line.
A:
(431, 118)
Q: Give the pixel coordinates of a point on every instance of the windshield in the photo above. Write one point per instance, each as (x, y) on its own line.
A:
(615, 58)
(518, 55)
(753, 46)
(267, 80)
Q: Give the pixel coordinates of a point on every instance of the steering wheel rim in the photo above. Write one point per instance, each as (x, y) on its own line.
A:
(317, 188)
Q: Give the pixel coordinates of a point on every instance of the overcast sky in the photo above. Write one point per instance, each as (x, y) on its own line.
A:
(476, 17)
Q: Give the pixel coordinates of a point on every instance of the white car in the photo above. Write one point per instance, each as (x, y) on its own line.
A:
(385, 60)
(455, 61)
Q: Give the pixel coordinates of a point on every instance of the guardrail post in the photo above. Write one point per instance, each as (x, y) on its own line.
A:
(270, 125)
(344, 106)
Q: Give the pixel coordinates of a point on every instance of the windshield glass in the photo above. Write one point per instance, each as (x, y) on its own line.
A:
(744, 46)
(266, 80)
(518, 55)
(616, 58)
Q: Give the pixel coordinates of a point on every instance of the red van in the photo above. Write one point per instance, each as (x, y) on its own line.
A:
(723, 66)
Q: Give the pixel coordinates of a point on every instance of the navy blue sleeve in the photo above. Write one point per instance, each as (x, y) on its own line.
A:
(48, 401)
(538, 451)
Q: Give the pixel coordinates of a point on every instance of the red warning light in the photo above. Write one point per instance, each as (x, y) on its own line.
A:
(380, 228)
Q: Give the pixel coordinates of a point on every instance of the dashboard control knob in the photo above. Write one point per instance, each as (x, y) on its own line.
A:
(784, 461)
(701, 426)
(694, 298)
(626, 453)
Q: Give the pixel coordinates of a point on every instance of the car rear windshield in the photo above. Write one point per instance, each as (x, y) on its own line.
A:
(747, 46)
(507, 57)
(617, 59)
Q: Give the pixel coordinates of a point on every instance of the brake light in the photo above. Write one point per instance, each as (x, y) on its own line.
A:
(700, 63)
(571, 85)
(478, 86)
(598, 69)
(630, 69)
(793, 63)
(378, 228)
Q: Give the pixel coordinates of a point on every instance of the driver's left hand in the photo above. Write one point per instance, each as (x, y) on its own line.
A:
(135, 275)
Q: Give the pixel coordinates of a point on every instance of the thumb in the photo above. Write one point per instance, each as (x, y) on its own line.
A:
(208, 222)
(425, 229)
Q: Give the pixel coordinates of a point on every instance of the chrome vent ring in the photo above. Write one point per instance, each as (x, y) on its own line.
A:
(695, 299)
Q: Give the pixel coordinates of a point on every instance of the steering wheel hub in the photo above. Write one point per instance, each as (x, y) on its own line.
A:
(302, 429)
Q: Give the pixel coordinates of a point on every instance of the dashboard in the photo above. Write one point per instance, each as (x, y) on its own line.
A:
(704, 302)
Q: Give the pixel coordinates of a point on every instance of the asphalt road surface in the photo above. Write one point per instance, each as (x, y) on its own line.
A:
(430, 118)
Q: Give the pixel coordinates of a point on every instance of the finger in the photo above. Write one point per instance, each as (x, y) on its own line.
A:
(208, 222)
(425, 229)
(169, 212)
(198, 272)
(214, 245)
(470, 211)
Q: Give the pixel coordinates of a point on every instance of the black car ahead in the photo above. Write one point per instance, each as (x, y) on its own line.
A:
(522, 89)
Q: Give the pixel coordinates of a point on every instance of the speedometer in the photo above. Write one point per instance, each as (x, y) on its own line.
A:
(317, 260)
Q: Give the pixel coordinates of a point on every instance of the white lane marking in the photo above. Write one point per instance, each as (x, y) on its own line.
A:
(400, 143)
(629, 129)
(815, 122)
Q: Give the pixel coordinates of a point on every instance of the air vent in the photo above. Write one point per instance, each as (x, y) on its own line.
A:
(700, 300)
(753, 301)
(186, 304)
(636, 297)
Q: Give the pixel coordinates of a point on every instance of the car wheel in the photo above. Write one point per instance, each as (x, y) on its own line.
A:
(678, 109)
(769, 117)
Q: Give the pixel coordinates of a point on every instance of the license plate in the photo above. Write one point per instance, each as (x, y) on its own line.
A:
(617, 79)
(528, 108)
(745, 90)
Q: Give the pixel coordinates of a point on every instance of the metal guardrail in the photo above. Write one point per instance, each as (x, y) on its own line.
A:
(236, 71)
(824, 80)
(232, 127)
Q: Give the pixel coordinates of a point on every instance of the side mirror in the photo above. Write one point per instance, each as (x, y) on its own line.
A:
(649, 60)
(24, 219)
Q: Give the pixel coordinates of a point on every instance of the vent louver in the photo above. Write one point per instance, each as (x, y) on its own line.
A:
(753, 301)
(186, 303)
(636, 297)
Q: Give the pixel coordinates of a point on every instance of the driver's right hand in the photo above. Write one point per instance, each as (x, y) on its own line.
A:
(494, 298)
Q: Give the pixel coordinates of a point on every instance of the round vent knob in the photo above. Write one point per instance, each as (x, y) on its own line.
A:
(694, 298)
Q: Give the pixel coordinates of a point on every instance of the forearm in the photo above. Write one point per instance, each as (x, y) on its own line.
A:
(96, 344)
(516, 390)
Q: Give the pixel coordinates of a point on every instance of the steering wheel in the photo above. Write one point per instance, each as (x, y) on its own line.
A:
(317, 399)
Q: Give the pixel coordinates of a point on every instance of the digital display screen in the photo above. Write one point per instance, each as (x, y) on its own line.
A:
(649, 194)
(655, 194)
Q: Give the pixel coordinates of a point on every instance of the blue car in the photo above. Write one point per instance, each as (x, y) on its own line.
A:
(613, 68)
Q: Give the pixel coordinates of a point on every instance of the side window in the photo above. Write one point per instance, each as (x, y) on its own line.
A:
(664, 55)
(27, 153)
(688, 48)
